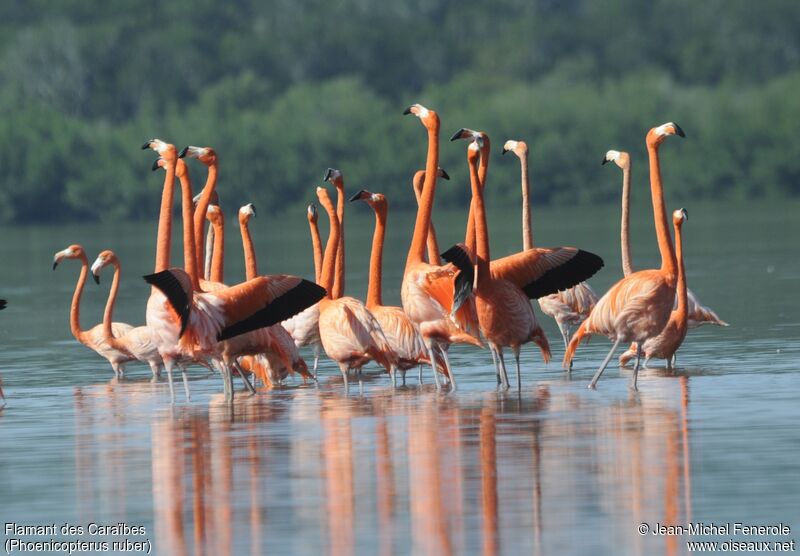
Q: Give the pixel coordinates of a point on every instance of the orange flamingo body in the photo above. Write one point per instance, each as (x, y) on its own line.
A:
(671, 337)
(638, 306)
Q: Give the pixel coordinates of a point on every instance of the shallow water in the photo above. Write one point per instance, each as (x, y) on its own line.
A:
(555, 468)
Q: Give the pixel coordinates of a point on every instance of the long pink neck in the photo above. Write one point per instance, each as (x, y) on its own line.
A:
(432, 243)
(527, 230)
(250, 264)
(681, 288)
(218, 258)
(338, 285)
(481, 228)
(108, 314)
(187, 215)
(374, 290)
(483, 168)
(627, 267)
(200, 216)
(164, 238)
(416, 253)
(329, 261)
(316, 246)
(75, 308)
(660, 213)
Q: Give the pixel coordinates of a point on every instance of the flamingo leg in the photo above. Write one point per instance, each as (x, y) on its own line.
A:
(155, 368)
(596, 377)
(229, 383)
(496, 366)
(563, 327)
(2, 395)
(247, 383)
(419, 373)
(433, 365)
(343, 368)
(516, 358)
(453, 386)
(185, 377)
(316, 358)
(636, 367)
(393, 373)
(502, 362)
(168, 365)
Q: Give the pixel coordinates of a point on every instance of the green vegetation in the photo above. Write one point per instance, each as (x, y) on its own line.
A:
(282, 90)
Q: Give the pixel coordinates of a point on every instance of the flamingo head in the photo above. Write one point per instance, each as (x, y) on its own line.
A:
(324, 198)
(519, 148)
(429, 118)
(206, 155)
(473, 152)
(104, 259)
(246, 213)
(620, 158)
(376, 200)
(312, 213)
(164, 149)
(74, 251)
(680, 216)
(470, 134)
(214, 215)
(657, 135)
(334, 176)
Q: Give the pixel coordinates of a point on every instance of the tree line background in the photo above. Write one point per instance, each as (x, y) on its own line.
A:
(282, 90)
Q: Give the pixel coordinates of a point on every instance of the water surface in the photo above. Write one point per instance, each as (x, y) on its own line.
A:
(555, 468)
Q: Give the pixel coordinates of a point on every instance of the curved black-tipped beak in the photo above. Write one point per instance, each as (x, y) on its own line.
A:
(183, 152)
(685, 214)
(407, 111)
(328, 174)
(603, 162)
(55, 264)
(146, 145)
(252, 206)
(445, 175)
(96, 279)
(155, 165)
(458, 134)
(358, 196)
(678, 131)
(505, 150)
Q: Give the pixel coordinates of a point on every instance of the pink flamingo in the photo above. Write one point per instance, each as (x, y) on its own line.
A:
(638, 306)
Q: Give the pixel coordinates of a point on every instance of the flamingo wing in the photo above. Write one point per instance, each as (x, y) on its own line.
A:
(176, 285)
(541, 271)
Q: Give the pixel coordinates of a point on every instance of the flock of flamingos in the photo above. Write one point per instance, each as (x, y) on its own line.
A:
(254, 329)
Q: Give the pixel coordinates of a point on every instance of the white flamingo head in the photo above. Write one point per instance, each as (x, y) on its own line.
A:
(334, 176)
(74, 251)
(519, 148)
(620, 158)
(680, 216)
(312, 213)
(656, 135)
(104, 259)
(206, 155)
(247, 212)
(429, 118)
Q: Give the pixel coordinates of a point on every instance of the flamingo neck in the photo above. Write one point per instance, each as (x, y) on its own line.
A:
(316, 246)
(416, 251)
(108, 314)
(75, 308)
(682, 310)
(218, 259)
(250, 264)
(483, 168)
(209, 253)
(187, 214)
(527, 231)
(338, 284)
(627, 267)
(432, 243)
(481, 230)
(200, 216)
(164, 238)
(660, 213)
(374, 290)
(329, 261)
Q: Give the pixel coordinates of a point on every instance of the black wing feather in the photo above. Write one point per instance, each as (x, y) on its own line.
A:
(170, 286)
(302, 296)
(3, 304)
(581, 267)
(466, 277)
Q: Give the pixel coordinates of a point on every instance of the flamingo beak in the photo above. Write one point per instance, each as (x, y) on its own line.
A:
(603, 162)
(407, 111)
(685, 214)
(363, 194)
(147, 145)
(459, 134)
(183, 152)
(505, 150)
(155, 165)
(678, 131)
(445, 175)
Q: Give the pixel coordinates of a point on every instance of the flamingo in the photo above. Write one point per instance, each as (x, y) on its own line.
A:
(281, 355)
(401, 334)
(568, 307)
(350, 334)
(93, 338)
(698, 313)
(432, 243)
(638, 306)
(336, 178)
(304, 326)
(506, 317)
(666, 344)
(438, 299)
(188, 323)
(208, 157)
(138, 341)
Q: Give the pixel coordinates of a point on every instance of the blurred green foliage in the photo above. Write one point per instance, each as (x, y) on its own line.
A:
(284, 89)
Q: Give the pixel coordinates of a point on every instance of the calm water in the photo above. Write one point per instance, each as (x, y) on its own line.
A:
(555, 469)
